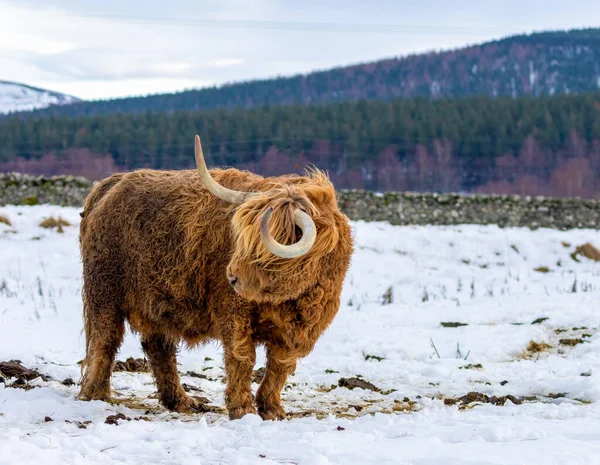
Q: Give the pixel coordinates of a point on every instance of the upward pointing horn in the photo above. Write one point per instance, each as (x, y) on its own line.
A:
(228, 195)
(301, 219)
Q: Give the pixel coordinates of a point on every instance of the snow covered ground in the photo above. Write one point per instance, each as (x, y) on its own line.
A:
(20, 97)
(484, 277)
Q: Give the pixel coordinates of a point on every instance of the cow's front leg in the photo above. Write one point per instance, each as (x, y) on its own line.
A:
(161, 352)
(239, 363)
(268, 397)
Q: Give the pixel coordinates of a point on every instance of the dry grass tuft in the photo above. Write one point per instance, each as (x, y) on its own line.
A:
(588, 251)
(534, 349)
(5, 220)
(542, 269)
(52, 222)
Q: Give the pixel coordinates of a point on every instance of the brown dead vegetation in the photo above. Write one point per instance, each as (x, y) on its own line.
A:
(470, 366)
(542, 269)
(588, 251)
(534, 349)
(5, 220)
(51, 222)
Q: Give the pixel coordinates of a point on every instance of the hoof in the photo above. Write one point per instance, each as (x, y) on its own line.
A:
(238, 412)
(272, 413)
(88, 396)
(191, 405)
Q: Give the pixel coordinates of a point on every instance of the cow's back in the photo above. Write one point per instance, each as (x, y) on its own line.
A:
(165, 240)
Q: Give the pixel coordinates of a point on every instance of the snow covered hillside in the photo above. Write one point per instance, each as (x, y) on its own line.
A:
(472, 344)
(20, 97)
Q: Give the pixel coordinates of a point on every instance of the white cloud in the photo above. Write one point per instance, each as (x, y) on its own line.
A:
(93, 57)
(114, 48)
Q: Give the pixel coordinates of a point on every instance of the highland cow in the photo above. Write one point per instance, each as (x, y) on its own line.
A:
(197, 255)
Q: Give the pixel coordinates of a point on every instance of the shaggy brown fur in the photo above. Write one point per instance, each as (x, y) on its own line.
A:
(157, 248)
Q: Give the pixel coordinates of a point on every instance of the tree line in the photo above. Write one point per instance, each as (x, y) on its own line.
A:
(421, 144)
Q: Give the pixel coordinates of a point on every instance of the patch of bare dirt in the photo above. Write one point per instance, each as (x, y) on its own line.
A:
(135, 403)
(14, 369)
(114, 419)
(352, 383)
(355, 410)
(193, 374)
(190, 388)
(479, 398)
(453, 324)
(404, 405)
(132, 365)
(571, 342)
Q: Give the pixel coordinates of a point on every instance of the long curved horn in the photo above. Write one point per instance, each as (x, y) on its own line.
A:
(309, 234)
(228, 195)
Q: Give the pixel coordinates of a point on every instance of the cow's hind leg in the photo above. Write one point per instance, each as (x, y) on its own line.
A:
(105, 329)
(162, 355)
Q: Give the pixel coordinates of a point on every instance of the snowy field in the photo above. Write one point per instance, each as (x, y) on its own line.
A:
(528, 332)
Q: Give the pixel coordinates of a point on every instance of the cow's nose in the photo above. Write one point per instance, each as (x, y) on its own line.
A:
(233, 281)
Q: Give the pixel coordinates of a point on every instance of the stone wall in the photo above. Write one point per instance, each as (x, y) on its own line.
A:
(447, 209)
(395, 207)
(22, 189)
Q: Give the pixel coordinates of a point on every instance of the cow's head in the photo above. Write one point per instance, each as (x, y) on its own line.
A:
(280, 235)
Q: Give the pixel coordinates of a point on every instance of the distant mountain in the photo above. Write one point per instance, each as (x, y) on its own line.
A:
(545, 63)
(15, 97)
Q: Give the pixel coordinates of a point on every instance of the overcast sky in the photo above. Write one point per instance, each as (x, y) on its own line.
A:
(110, 48)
